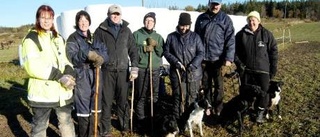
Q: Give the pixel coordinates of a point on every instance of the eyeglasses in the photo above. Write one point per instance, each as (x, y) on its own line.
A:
(44, 18)
(149, 20)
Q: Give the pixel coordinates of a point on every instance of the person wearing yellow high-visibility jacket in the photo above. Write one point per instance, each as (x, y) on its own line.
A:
(51, 76)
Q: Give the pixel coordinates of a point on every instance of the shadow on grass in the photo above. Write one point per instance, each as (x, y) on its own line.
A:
(17, 112)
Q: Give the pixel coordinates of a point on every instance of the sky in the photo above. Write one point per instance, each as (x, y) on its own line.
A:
(15, 13)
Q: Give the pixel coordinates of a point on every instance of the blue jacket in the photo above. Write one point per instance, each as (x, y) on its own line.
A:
(188, 50)
(217, 34)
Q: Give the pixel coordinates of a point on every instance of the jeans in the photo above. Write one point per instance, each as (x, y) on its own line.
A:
(41, 117)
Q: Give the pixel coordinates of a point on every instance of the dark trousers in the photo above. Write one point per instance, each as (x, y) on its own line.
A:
(115, 87)
(142, 90)
(189, 90)
(262, 80)
(212, 73)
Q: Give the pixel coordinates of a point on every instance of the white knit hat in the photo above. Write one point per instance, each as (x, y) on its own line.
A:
(254, 14)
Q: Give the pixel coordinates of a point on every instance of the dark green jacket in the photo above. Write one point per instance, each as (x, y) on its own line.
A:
(140, 37)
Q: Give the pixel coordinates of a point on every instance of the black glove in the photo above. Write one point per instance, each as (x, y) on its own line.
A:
(273, 71)
(180, 66)
(241, 69)
(191, 68)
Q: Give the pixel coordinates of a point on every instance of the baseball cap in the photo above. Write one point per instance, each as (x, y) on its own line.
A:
(113, 9)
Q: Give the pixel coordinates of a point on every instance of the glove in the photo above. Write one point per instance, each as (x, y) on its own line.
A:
(191, 68)
(95, 58)
(180, 66)
(67, 81)
(273, 71)
(92, 55)
(241, 69)
(133, 73)
(98, 61)
(151, 42)
(148, 48)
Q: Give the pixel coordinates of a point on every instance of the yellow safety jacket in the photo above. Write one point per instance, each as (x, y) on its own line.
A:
(38, 64)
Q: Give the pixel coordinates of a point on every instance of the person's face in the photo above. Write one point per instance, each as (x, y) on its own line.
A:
(183, 28)
(253, 23)
(214, 7)
(83, 23)
(46, 21)
(115, 17)
(149, 23)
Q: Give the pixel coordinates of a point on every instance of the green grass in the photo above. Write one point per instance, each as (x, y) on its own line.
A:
(299, 30)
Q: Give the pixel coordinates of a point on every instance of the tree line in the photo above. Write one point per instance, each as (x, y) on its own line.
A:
(302, 9)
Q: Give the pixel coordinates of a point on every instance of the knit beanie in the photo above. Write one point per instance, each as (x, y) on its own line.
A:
(254, 14)
(150, 14)
(184, 19)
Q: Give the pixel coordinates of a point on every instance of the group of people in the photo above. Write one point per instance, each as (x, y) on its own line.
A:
(64, 74)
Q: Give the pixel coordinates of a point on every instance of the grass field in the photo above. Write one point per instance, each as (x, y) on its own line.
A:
(299, 65)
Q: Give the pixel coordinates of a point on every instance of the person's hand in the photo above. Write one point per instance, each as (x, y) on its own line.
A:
(98, 61)
(92, 55)
(95, 58)
(180, 66)
(191, 68)
(241, 69)
(133, 73)
(228, 63)
(67, 81)
(151, 42)
(149, 48)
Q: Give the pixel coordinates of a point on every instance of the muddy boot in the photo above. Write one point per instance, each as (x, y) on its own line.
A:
(260, 115)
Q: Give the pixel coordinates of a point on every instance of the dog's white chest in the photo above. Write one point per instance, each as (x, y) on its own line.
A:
(276, 99)
(196, 116)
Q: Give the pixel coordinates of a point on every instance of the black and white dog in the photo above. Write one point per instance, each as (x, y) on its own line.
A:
(166, 124)
(237, 107)
(274, 94)
(194, 115)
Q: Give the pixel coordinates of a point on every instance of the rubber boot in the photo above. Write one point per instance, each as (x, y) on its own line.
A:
(260, 115)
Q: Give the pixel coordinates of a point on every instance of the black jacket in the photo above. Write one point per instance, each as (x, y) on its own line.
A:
(257, 51)
(188, 50)
(120, 45)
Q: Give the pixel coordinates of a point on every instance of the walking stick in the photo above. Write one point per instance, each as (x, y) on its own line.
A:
(181, 91)
(131, 111)
(151, 90)
(96, 102)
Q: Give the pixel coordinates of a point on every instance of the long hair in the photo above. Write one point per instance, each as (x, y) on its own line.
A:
(41, 9)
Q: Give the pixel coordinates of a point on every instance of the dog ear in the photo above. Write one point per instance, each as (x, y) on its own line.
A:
(280, 83)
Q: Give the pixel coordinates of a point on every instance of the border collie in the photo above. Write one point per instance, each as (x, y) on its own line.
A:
(194, 115)
(274, 94)
(237, 107)
(166, 124)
